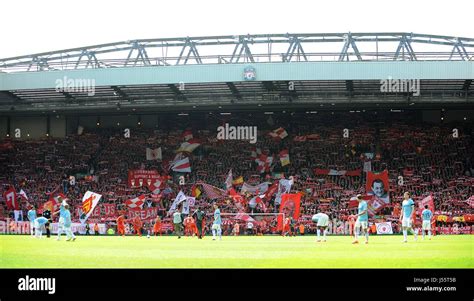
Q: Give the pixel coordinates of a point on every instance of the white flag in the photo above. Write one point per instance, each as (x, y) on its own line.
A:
(181, 197)
(89, 201)
(228, 180)
(153, 154)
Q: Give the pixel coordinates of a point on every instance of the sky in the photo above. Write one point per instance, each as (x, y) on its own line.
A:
(32, 26)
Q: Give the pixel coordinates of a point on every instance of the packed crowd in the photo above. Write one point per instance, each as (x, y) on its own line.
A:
(420, 158)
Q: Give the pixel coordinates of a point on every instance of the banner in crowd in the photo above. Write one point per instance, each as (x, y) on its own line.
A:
(95, 213)
(142, 177)
(144, 214)
(89, 202)
(377, 191)
(384, 228)
(110, 210)
(10, 196)
(290, 206)
(261, 188)
(455, 230)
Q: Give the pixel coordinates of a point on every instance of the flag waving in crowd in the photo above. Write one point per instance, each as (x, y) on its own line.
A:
(13, 203)
(153, 154)
(228, 180)
(89, 201)
(182, 165)
(136, 202)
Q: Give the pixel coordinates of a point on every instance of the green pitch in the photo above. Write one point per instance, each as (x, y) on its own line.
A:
(235, 252)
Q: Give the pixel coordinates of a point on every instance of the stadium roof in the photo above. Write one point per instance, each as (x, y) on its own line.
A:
(250, 49)
(207, 72)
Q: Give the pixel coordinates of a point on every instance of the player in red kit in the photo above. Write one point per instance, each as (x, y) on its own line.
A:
(137, 225)
(157, 226)
(121, 225)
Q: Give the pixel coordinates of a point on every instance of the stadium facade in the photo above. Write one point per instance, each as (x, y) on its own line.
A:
(136, 83)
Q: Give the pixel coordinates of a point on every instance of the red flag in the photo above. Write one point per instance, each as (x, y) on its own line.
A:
(13, 203)
(271, 191)
(290, 206)
(377, 186)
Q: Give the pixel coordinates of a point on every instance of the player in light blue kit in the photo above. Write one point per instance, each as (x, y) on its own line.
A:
(39, 225)
(62, 214)
(362, 221)
(406, 218)
(67, 224)
(31, 217)
(216, 226)
(426, 216)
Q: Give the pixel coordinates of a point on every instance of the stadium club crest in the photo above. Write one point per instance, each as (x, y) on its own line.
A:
(250, 73)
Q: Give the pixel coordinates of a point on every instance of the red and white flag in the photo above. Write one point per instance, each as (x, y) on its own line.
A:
(182, 165)
(187, 135)
(284, 157)
(89, 202)
(23, 194)
(213, 192)
(189, 146)
(279, 133)
(153, 154)
(155, 187)
(13, 203)
(136, 202)
(264, 163)
(237, 198)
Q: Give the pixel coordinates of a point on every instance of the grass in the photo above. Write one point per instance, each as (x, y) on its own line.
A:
(235, 252)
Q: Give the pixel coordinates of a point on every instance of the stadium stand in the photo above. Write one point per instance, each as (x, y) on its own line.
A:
(430, 160)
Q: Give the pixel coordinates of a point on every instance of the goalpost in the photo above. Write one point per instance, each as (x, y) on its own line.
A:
(264, 223)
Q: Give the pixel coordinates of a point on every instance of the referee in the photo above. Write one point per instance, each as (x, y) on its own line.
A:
(47, 214)
(199, 214)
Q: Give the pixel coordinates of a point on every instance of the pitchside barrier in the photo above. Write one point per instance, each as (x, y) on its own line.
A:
(267, 221)
(11, 227)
